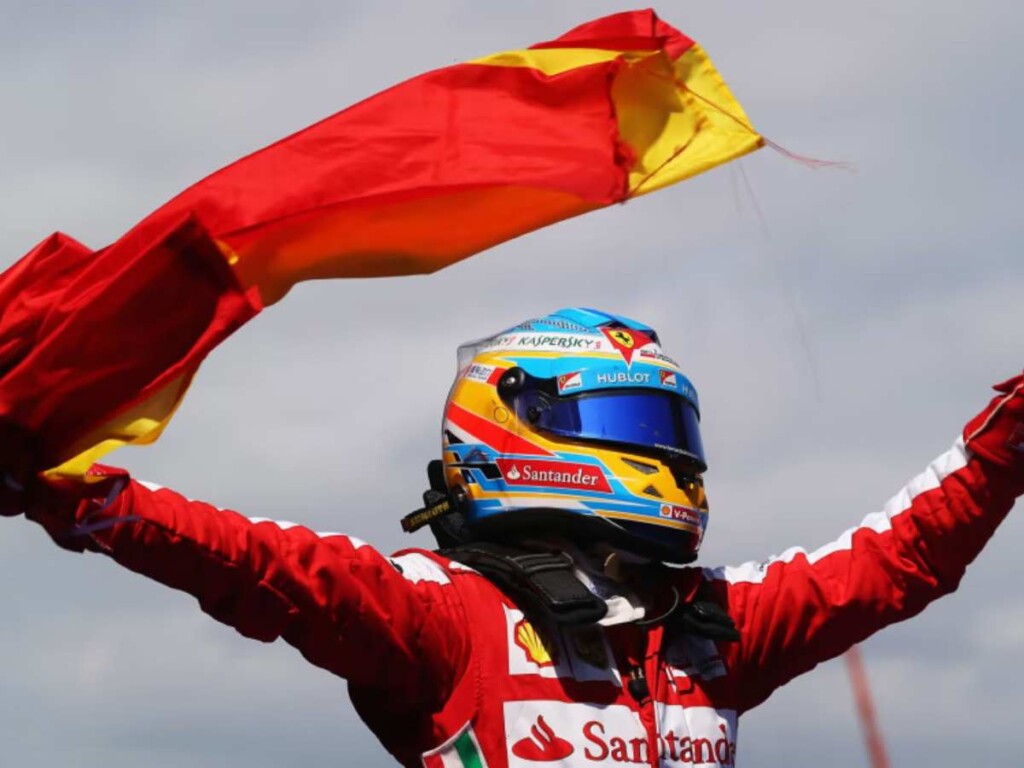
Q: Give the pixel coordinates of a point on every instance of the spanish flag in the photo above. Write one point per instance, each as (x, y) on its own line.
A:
(97, 348)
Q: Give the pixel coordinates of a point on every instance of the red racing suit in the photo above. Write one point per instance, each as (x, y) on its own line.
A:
(446, 671)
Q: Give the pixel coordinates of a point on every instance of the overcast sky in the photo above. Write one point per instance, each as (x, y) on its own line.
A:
(838, 345)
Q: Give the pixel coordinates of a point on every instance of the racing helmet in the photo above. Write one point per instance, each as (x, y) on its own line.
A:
(577, 424)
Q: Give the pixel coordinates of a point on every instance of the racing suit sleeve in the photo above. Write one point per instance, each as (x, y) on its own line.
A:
(799, 609)
(395, 625)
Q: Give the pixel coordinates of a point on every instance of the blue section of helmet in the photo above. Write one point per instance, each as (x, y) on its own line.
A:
(596, 319)
(581, 320)
(555, 323)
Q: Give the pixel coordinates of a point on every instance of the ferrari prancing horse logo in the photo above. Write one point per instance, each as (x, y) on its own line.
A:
(626, 341)
(623, 337)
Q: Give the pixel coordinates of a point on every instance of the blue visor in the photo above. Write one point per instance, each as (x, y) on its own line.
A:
(649, 420)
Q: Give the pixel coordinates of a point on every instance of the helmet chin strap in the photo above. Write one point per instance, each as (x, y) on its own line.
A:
(602, 569)
(627, 582)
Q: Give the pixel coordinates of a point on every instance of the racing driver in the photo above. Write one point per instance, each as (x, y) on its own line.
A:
(560, 622)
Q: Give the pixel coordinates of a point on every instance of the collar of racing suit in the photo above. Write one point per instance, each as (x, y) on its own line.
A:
(559, 582)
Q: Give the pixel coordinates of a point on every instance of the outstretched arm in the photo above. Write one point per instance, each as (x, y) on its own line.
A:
(799, 609)
(395, 625)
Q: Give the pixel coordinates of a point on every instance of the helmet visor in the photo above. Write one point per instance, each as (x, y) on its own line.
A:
(659, 422)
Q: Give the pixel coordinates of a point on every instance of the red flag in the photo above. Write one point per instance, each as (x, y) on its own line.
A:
(87, 337)
(96, 349)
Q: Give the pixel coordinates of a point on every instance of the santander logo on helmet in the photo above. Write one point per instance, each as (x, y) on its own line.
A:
(578, 418)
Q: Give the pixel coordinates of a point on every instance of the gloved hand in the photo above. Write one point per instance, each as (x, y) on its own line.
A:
(12, 496)
(996, 434)
(68, 509)
(62, 507)
(17, 461)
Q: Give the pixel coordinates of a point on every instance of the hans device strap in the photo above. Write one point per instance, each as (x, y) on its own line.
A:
(544, 586)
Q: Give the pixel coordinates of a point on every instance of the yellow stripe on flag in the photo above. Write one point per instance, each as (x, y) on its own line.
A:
(140, 425)
(550, 61)
(680, 118)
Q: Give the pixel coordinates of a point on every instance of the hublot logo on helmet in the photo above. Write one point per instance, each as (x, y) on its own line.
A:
(623, 378)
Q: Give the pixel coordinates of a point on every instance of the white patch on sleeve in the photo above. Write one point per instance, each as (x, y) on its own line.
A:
(951, 461)
(417, 568)
(284, 525)
(355, 541)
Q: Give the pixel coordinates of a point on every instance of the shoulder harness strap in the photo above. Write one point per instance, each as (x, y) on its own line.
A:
(703, 617)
